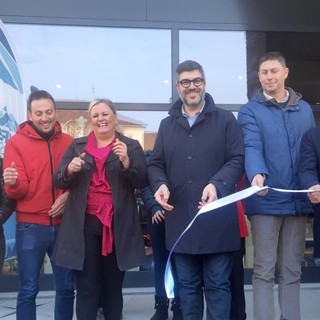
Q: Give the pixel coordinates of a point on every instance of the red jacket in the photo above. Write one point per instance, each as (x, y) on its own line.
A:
(244, 232)
(36, 160)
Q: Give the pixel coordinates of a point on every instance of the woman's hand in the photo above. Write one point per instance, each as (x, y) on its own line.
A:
(75, 164)
(120, 149)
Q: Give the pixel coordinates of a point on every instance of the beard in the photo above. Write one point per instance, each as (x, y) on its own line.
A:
(194, 103)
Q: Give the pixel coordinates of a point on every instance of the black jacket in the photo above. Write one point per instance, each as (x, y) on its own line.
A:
(128, 238)
(7, 206)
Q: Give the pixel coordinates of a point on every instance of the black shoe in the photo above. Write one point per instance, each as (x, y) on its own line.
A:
(100, 315)
(160, 314)
(176, 309)
(177, 314)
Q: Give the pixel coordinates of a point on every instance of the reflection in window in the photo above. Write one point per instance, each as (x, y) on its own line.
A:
(146, 122)
(222, 55)
(140, 125)
(82, 63)
(150, 119)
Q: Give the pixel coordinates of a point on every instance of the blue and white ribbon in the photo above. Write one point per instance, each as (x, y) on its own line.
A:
(168, 278)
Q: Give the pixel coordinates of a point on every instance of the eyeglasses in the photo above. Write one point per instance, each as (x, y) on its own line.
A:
(186, 83)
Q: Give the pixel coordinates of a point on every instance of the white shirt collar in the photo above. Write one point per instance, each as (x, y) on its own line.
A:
(285, 99)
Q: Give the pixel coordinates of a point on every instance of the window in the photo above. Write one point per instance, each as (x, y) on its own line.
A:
(222, 55)
(82, 63)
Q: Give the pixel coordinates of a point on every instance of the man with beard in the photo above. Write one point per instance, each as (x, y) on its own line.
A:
(198, 158)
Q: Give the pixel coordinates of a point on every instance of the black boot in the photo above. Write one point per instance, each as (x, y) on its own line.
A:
(161, 306)
(176, 309)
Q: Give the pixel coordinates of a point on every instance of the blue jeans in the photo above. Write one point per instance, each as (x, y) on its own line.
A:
(208, 274)
(33, 242)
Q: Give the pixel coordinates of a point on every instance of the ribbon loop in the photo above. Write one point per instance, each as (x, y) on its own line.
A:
(168, 277)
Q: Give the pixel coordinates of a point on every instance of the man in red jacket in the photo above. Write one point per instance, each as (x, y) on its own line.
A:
(31, 157)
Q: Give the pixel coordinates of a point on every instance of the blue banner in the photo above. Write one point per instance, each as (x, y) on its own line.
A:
(12, 112)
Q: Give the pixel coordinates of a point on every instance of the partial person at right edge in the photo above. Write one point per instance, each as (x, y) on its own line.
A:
(309, 175)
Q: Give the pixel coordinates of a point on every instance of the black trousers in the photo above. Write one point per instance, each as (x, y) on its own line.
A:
(2, 248)
(316, 233)
(99, 283)
(238, 303)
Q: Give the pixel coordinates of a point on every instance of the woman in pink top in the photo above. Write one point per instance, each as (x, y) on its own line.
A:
(100, 236)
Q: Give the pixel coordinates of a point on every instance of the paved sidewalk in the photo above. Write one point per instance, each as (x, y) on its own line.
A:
(139, 303)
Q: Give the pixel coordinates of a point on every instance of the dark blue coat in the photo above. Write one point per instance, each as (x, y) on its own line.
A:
(186, 160)
(147, 194)
(309, 166)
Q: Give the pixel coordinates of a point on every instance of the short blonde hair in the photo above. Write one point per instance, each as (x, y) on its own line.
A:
(108, 102)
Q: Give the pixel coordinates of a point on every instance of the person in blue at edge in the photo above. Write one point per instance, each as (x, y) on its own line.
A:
(273, 123)
(309, 175)
(156, 228)
(7, 207)
(198, 157)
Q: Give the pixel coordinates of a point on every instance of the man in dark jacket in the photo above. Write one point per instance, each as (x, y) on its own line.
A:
(273, 123)
(198, 158)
